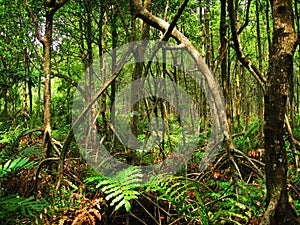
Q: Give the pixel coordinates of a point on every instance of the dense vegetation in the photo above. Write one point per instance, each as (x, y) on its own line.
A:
(57, 56)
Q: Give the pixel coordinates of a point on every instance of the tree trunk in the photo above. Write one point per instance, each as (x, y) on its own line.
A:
(208, 50)
(47, 84)
(260, 61)
(279, 211)
(102, 27)
(50, 6)
(223, 58)
(137, 74)
(114, 62)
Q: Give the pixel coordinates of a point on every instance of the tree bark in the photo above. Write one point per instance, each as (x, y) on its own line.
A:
(223, 58)
(47, 42)
(284, 40)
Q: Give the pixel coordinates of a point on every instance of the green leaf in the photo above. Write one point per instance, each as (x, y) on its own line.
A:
(127, 206)
(121, 203)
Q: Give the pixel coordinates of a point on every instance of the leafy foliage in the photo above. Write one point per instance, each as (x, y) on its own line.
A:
(14, 207)
(13, 165)
(121, 188)
(240, 208)
(192, 198)
(183, 195)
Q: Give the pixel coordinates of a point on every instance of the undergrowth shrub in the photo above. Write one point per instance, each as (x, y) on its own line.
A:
(121, 188)
(226, 206)
(183, 195)
(126, 186)
(14, 208)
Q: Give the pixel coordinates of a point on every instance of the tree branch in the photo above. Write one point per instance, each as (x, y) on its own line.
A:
(247, 19)
(260, 77)
(58, 5)
(167, 34)
(35, 22)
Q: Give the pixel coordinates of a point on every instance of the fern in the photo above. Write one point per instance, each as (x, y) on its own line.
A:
(232, 208)
(13, 165)
(178, 193)
(13, 138)
(13, 206)
(121, 188)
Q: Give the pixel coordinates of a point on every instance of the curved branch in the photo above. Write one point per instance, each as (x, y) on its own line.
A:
(162, 25)
(259, 76)
(35, 22)
(42, 163)
(247, 19)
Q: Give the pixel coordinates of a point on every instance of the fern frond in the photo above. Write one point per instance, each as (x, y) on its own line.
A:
(13, 165)
(16, 205)
(121, 188)
(177, 191)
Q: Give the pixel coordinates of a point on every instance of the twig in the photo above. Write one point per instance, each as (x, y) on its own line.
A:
(147, 212)
(250, 161)
(157, 205)
(139, 219)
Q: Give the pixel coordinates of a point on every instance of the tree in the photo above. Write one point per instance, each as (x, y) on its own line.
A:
(50, 7)
(281, 53)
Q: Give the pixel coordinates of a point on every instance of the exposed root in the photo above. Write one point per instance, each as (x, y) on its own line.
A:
(42, 163)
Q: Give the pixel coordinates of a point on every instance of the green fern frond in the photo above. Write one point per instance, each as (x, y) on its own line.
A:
(13, 165)
(121, 188)
(177, 191)
(15, 205)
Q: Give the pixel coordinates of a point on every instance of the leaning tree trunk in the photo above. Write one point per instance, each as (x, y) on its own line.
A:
(284, 40)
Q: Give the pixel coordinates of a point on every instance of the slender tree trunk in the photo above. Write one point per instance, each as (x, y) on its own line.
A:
(102, 27)
(24, 103)
(244, 102)
(281, 53)
(237, 95)
(90, 74)
(260, 60)
(137, 73)
(223, 58)
(208, 49)
(268, 24)
(114, 61)
(291, 98)
(39, 98)
(47, 83)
